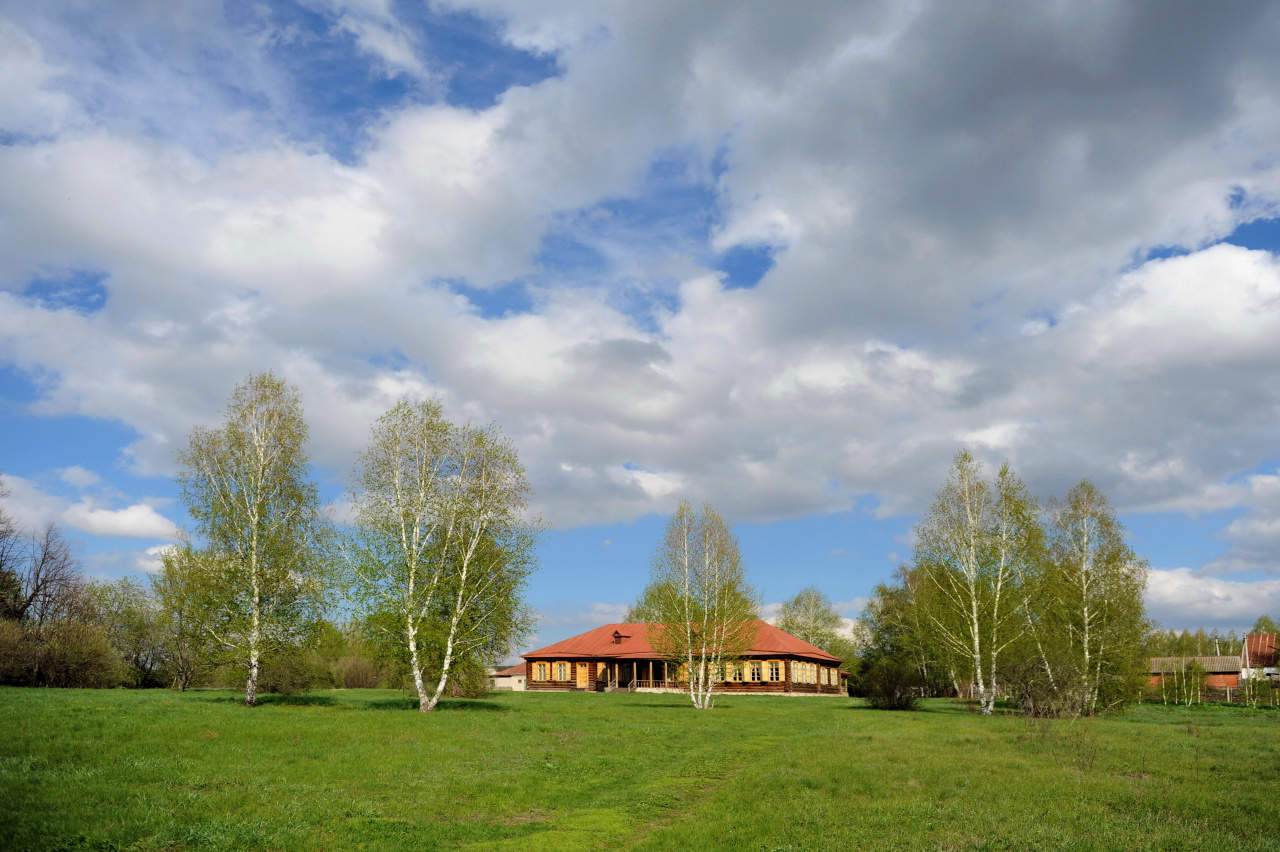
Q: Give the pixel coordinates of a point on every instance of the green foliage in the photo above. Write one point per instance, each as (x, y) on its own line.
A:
(892, 683)
(76, 654)
(132, 622)
(1265, 624)
(440, 552)
(699, 598)
(248, 491)
(15, 665)
(976, 551)
(1003, 600)
(1095, 607)
(189, 602)
(810, 616)
(1174, 643)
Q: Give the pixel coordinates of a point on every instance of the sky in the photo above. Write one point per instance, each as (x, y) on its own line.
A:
(787, 259)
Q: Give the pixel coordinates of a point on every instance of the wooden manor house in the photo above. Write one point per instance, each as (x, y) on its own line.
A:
(620, 657)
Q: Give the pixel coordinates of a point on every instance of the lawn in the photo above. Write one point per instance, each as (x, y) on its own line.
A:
(362, 770)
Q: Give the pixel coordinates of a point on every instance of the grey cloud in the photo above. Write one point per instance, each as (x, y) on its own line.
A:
(931, 178)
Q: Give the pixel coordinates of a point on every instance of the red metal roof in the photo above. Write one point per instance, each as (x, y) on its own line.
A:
(634, 644)
(514, 671)
(1260, 649)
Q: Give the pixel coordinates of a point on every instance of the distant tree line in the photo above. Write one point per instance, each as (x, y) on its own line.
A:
(1184, 643)
(422, 587)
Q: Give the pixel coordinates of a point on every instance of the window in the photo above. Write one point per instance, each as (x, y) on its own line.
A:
(775, 670)
(737, 672)
(540, 673)
(755, 672)
(562, 671)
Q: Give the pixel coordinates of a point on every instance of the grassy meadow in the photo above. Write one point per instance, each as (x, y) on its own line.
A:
(361, 770)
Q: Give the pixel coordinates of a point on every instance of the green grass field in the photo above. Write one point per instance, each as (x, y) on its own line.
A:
(362, 770)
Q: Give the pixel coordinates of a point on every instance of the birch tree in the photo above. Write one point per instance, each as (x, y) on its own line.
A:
(247, 488)
(969, 549)
(440, 540)
(1097, 611)
(704, 608)
(810, 616)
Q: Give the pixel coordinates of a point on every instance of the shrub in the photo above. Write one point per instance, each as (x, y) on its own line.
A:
(291, 671)
(468, 681)
(15, 654)
(356, 673)
(78, 655)
(892, 683)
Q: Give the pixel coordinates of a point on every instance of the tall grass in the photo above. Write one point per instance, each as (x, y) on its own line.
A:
(362, 770)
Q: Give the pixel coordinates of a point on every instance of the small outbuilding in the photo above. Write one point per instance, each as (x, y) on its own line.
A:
(1220, 672)
(512, 679)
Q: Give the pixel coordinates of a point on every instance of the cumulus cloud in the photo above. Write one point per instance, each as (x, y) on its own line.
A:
(137, 521)
(960, 200)
(1181, 598)
(32, 506)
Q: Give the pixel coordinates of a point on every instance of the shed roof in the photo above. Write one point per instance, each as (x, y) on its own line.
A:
(514, 671)
(1260, 649)
(1211, 665)
(632, 642)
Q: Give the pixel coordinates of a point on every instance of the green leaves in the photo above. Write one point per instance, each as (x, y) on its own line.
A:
(440, 549)
(811, 617)
(1005, 599)
(248, 490)
(699, 596)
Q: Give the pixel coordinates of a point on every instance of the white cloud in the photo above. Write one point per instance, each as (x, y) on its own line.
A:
(1181, 598)
(137, 521)
(579, 620)
(379, 33)
(928, 219)
(79, 477)
(29, 505)
(151, 560)
(32, 507)
(851, 607)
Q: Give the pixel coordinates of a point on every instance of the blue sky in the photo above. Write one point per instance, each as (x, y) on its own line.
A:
(786, 261)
